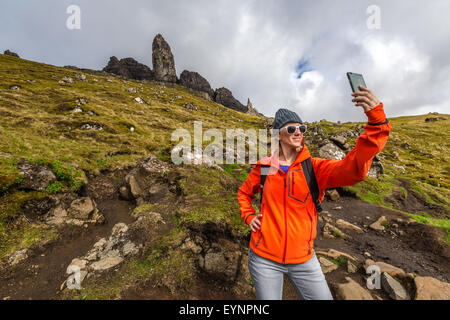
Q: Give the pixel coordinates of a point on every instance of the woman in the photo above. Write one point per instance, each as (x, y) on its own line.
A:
(284, 231)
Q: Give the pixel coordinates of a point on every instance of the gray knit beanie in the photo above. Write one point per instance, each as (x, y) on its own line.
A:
(284, 116)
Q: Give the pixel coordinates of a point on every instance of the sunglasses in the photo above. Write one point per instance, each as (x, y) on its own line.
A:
(292, 129)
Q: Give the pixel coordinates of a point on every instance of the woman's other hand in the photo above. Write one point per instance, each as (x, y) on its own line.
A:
(256, 223)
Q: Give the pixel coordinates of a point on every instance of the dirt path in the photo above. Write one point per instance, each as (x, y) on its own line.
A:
(421, 249)
(41, 275)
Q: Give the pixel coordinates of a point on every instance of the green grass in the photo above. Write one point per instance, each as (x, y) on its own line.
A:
(338, 261)
(211, 197)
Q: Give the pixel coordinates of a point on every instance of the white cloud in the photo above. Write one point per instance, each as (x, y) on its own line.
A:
(253, 47)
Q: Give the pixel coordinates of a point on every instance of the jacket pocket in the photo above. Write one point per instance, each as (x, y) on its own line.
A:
(297, 186)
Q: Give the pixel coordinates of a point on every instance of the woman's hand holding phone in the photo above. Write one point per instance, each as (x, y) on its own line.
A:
(365, 98)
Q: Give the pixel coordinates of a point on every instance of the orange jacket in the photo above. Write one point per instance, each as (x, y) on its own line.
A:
(289, 217)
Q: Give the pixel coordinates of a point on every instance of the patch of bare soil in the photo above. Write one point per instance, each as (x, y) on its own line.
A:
(202, 289)
(414, 202)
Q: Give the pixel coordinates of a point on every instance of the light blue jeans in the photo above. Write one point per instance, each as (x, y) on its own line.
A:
(307, 278)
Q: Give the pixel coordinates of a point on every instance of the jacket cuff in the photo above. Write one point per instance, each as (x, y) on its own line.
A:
(249, 218)
(376, 115)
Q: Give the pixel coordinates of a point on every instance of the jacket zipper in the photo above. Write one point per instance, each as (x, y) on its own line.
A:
(285, 222)
(260, 230)
(310, 235)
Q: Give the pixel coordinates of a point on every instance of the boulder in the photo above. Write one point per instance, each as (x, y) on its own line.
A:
(347, 225)
(429, 288)
(190, 106)
(163, 60)
(351, 267)
(377, 225)
(405, 146)
(80, 77)
(332, 194)
(384, 267)
(37, 177)
(190, 245)
(82, 209)
(330, 231)
(66, 80)
(57, 216)
(340, 141)
(17, 257)
(395, 290)
(195, 81)
(335, 254)
(327, 265)
(352, 291)
(225, 98)
(331, 151)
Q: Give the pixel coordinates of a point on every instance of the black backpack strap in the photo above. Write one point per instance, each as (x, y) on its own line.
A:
(310, 177)
(264, 170)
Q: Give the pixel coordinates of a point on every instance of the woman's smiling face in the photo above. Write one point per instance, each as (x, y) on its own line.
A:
(291, 140)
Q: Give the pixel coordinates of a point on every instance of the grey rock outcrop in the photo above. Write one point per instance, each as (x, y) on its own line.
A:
(225, 97)
(143, 182)
(195, 81)
(221, 263)
(251, 109)
(129, 68)
(163, 61)
(109, 253)
(10, 53)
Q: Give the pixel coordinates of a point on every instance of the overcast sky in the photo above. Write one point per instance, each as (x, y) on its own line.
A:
(280, 54)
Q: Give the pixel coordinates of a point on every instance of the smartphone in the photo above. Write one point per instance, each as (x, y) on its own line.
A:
(356, 80)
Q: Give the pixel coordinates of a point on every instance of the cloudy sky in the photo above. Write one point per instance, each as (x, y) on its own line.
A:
(279, 53)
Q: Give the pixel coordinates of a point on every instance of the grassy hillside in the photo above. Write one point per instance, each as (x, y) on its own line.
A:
(36, 123)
